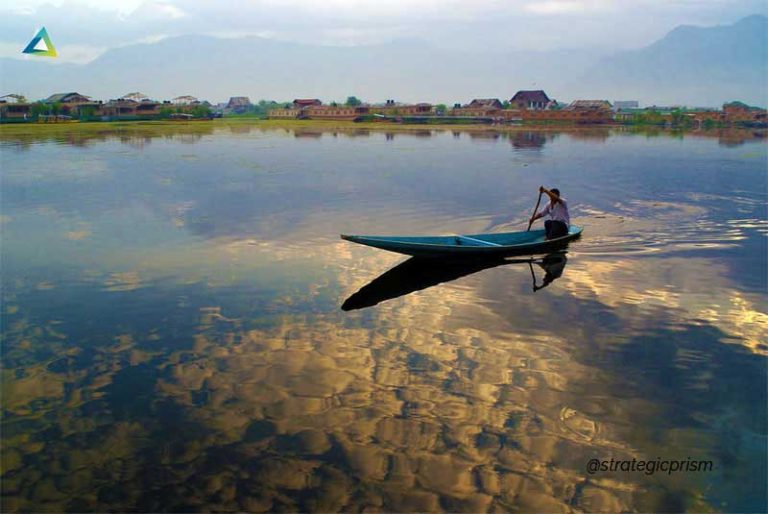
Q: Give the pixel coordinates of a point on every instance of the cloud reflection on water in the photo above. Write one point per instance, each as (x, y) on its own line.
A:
(211, 369)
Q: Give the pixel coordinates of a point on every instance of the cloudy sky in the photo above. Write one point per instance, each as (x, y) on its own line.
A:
(83, 29)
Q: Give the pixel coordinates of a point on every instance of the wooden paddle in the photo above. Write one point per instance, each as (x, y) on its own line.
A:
(535, 210)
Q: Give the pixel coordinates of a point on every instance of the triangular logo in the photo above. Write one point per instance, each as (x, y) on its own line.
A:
(41, 45)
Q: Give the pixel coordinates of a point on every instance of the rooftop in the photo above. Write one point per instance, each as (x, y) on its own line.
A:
(534, 95)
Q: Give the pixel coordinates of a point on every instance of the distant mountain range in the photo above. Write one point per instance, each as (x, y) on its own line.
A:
(692, 65)
(689, 66)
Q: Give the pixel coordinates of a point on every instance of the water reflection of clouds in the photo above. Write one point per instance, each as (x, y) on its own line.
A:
(359, 415)
(673, 285)
(300, 382)
(220, 375)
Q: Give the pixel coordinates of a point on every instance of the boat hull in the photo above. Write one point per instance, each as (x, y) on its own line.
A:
(471, 245)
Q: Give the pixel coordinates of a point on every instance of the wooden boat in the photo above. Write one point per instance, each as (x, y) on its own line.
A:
(472, 245)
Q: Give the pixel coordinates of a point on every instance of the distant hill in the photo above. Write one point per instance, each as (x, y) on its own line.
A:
(216, 69)
(690, 66)
(703, 66)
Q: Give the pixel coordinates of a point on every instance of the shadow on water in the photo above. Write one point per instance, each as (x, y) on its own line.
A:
(417, 274)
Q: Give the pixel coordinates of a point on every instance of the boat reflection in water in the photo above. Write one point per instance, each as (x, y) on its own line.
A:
(417, 274)
(553, 266)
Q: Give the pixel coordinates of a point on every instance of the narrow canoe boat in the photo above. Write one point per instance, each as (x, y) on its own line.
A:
(502, 243)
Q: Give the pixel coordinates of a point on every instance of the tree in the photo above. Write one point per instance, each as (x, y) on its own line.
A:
(86, 111)
(650, 116)
(201, 111)
(353, 101)
(38, 108)
(264, 106)
(441, 109)
(677, 117)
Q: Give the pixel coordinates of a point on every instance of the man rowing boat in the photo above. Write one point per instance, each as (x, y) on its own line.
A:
(557, 209)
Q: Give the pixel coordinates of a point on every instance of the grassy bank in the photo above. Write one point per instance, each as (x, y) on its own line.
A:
(208, 125)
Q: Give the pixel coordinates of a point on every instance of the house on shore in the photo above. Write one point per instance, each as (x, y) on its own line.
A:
(392, 108)
(13, 98)
(479, 107)
(587, 105)
(579, 111)
(534, 100)
(72, 104)
(591, 111)
(185, 100)
(739, 112)
(14, 107)
(132, 106)
(486, 103)
(294, 110)
(136, 96)
(330, 112)
(287, 112)
(314, 109)
(239, 104)
(300, 103)
(59, 106)
(67, 98)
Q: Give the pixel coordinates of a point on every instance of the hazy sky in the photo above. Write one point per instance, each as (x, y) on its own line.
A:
(83, 29)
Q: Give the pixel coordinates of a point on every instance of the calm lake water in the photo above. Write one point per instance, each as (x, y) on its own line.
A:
(174, 338)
